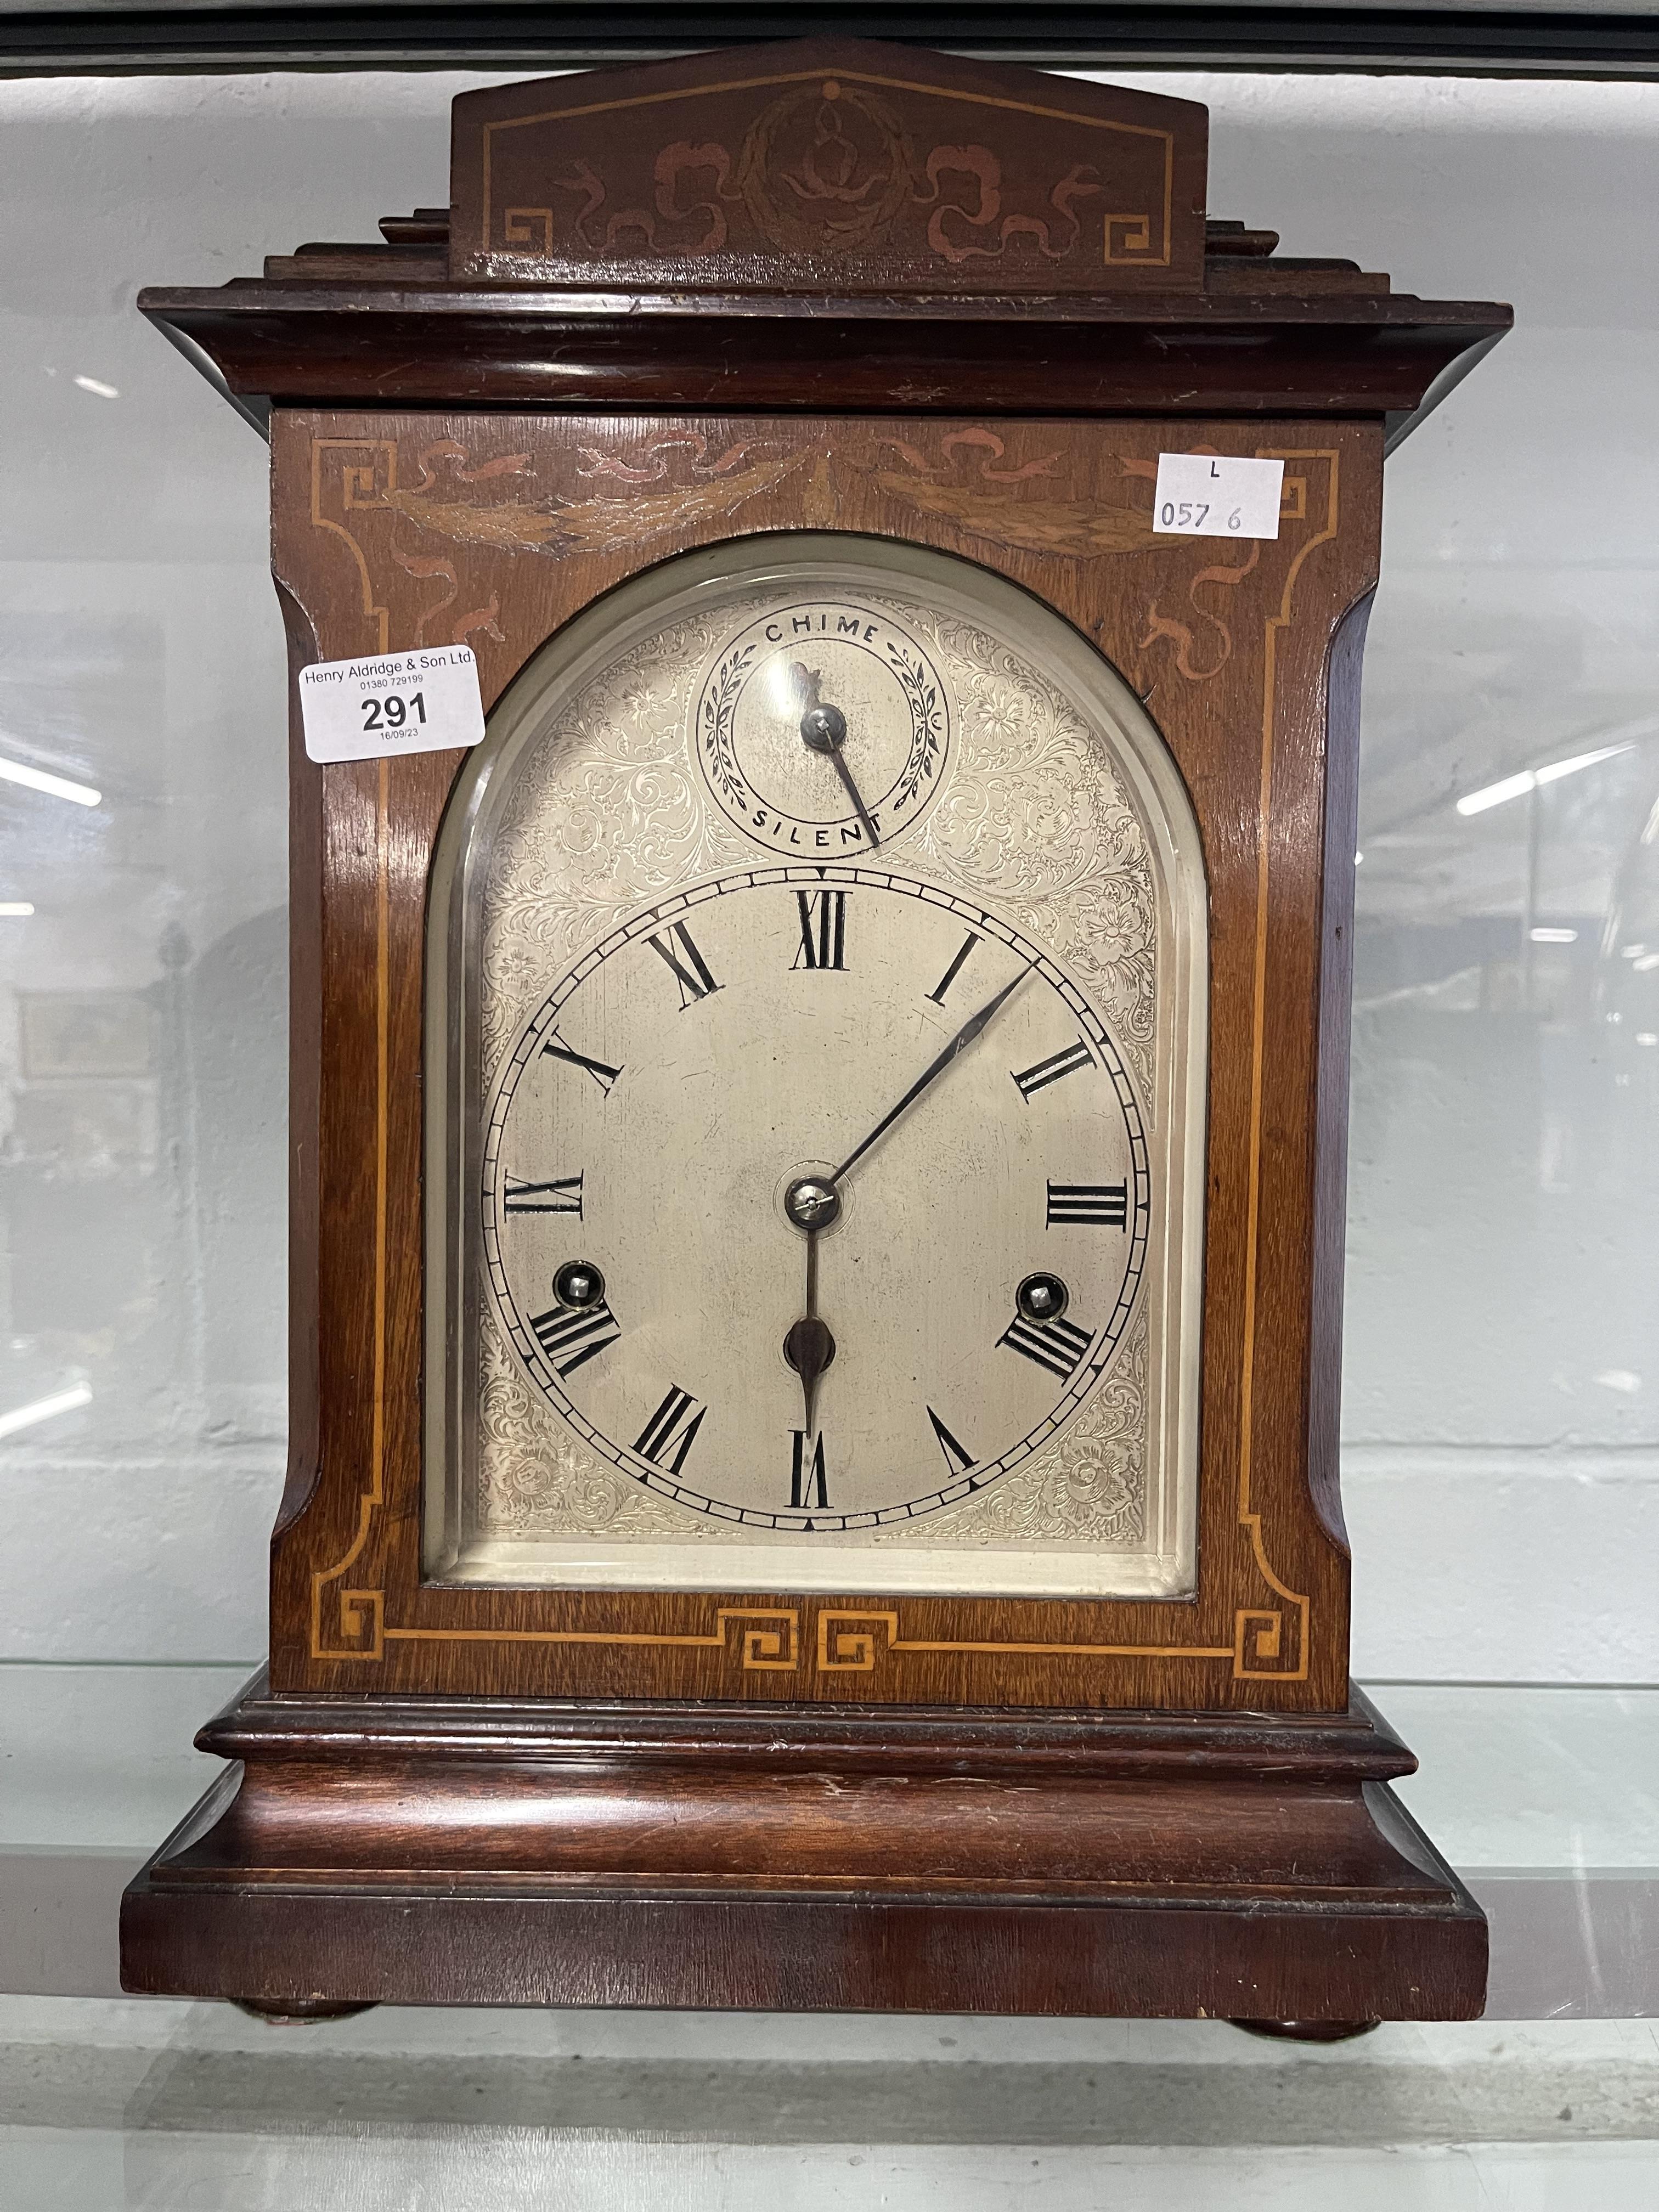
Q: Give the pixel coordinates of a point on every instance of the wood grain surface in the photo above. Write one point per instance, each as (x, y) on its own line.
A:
(932, 1861)
(394, 532)
(825, 227)
(1276, 352)
(795, 163)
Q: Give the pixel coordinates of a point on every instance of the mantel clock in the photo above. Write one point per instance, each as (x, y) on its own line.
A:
(818, 1144)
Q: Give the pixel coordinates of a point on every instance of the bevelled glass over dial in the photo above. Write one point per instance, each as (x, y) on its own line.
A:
(817, 993)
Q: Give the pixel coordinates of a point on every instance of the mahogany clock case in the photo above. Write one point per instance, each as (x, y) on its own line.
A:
(353, 1609)
(455, 1792)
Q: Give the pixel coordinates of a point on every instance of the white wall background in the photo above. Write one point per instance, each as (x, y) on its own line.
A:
(1502, 1469)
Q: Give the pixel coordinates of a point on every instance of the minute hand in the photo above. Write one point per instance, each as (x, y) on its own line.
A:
(960, 1042)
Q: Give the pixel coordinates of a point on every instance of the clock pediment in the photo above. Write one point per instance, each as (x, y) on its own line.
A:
(830, 223)
(866, 167)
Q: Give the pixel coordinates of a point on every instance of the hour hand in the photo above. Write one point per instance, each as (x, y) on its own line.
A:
(823, 729)
(809, 1348)
(812, 1205)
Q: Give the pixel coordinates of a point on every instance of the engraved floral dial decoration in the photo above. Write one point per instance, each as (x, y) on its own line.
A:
(818, 1001)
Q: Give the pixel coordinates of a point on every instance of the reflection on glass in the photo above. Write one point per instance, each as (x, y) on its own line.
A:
(1505, 1184)
(1503, 1300)
(59, 787)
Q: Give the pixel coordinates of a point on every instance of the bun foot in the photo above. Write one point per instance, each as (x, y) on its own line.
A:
(290, 2012)
(1309, 2031)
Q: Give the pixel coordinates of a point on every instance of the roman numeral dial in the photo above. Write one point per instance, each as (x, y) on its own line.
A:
(1058, 1346)
(685, 963)
(555, 1047)
(809, 1481)
(1101, 1205)
(958, 1457)
(1058, 1064)
(803, 1258)
(671, 1430)
(822, 929)
(571, 1336)
(563, 1194)
(955, 969)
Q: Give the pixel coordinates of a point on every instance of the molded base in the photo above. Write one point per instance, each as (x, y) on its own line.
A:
(298, 2011)
(477, 1852)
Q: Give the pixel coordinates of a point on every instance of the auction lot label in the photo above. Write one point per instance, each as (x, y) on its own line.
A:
(425, 701)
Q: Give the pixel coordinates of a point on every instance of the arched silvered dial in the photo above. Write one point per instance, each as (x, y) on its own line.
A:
(817, 971)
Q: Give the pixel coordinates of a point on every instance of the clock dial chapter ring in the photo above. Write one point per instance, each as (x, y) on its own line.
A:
(645, 1125)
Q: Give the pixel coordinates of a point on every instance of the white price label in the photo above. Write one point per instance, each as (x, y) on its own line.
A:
(425, 701)
(1217, 495)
